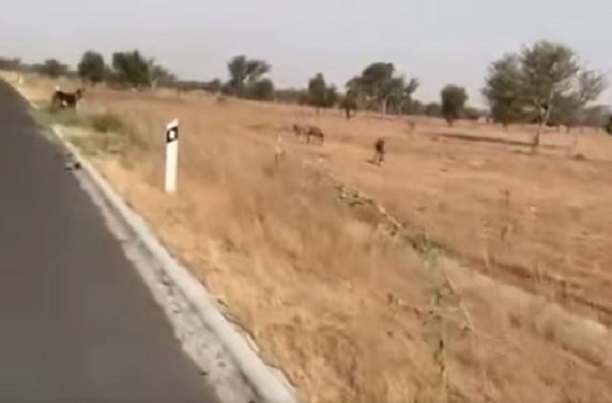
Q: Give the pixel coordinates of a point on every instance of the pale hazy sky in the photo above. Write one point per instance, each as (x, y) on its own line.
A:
(438, 41)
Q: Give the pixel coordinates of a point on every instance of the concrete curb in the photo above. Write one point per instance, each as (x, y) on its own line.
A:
(269, 384)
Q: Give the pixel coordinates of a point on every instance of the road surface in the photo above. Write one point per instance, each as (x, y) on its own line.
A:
(76, 322)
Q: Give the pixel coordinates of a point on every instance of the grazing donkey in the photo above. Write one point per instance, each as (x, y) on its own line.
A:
(308, 132)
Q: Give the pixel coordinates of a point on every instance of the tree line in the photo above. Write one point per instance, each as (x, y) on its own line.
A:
(543, 84)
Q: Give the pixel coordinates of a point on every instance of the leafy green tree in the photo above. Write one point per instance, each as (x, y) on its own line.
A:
(317, 91)
(379, 84)
(131, 68)
(471, 113)
(401, 93)
(92, 67)
(244, 73)
(453, 102)
(503, 89)
(414, 107)
(595, 116)
(433, 110)
(52, 68)
(543, 83)
(159, 75)
(9, 64)
(320, 95)
(293, 96)
(349, 103)
(262, 90)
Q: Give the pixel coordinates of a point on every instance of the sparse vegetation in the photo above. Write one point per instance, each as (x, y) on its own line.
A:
(319, 279)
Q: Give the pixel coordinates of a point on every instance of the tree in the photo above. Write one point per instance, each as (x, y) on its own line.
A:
(293, 96)
(243, 73)
(401, 93)
(320, 95)
(132, 68)
(317, 92)
(379, 84)
(453, 102)
(595, 116)
(433, 110)
(502, 90)
(9, 64)
(349, 103)
(542, 82)
(262, 90)
(609, 125)
(91, 67)
(214, 85)
(472, 114)
(414, 107)
(158, 74)
(52, 68)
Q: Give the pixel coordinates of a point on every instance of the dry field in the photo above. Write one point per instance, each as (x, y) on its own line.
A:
(351, 313)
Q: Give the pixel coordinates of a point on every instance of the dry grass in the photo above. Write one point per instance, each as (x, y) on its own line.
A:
(350, 313)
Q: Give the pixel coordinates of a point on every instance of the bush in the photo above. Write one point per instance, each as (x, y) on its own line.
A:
(609, 125)
(106, 122)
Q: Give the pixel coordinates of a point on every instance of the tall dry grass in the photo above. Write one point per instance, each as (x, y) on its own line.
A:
(325, 295)
(351, 314)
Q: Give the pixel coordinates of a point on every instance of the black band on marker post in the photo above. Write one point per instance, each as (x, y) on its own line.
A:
(172, 133)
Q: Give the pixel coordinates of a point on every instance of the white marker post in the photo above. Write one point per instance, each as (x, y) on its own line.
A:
(172, 147)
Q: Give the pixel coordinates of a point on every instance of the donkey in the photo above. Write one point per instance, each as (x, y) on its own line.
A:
(308, 132)
(64, 99)
(316, 132)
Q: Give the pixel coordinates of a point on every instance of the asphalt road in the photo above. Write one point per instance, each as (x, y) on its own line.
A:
(76, 322)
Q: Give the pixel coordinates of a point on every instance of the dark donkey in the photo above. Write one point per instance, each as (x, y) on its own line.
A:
(308, 132)
(64, 99)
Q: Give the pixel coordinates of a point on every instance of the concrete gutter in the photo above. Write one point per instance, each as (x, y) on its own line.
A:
(230, 361)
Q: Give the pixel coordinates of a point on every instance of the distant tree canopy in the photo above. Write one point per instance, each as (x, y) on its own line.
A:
(9, 64)
(244, 77)
(320, 95)
(433, 109)
(453, 102)
(262, 90)
(544, 83)
(414, 107)
(52, 68)
(92, 67)
(297, 96)
(131, 67)
(138, 71)
(379, 84)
